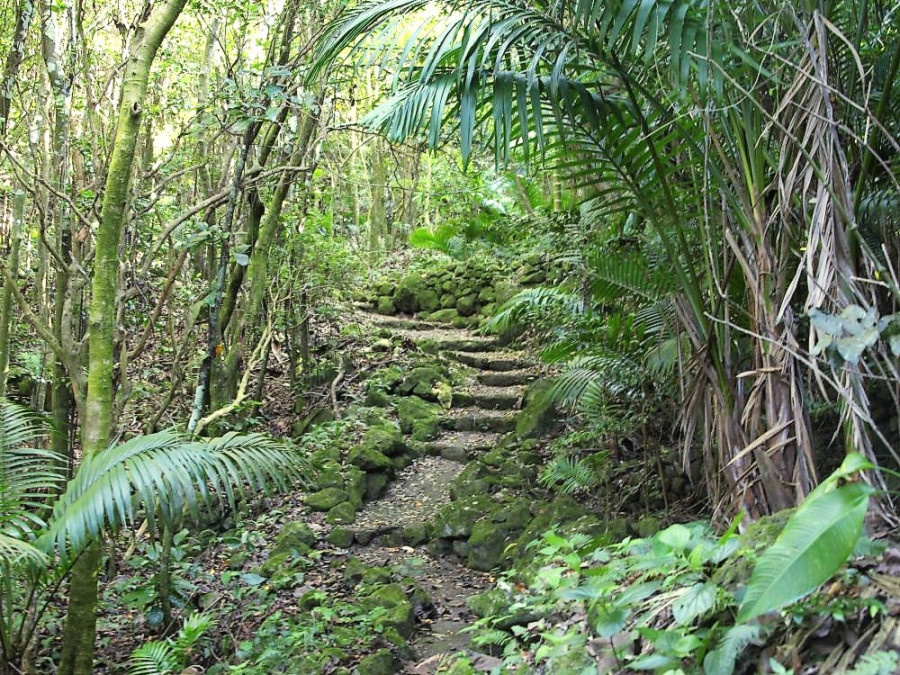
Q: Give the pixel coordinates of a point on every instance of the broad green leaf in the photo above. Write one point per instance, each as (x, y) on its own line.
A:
(252, 579)
(694, 602)
(826, 323)
(607, 621)
(816, 541)
(677, 537)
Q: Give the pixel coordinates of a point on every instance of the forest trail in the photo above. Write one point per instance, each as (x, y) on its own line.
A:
(480, 413)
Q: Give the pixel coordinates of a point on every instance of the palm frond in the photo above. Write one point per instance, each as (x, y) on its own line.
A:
(154, 658)
(568, 475)
(163, 474)
(534, 305)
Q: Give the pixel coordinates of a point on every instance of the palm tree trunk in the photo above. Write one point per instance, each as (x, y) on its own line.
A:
(80, 628)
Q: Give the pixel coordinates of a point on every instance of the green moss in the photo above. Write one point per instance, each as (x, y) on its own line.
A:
(342, 514)
(415, 534)
(647, 526)
(385, 306)
(341, 537)
(448, 301)
(355, 485)
(421, 381)
(385, 438)
(538, 414)
(419, 418)
(448, 315)
(456, 519)
(354, 570)
(330, 476)
(376, 483)
(381, 662)
(393, 598)
(327, 499)
(294, 537)
(467, 305)
(368, 459)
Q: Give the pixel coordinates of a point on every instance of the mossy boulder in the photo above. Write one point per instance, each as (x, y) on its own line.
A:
(385, 305)
(448, 301)
(475, 479)
(341, 537)
(422, 381)
(539, 412)
(327, 499)
(467, 305)
(419, 418)
(448, 315)
(276, 562)
(498, 602)
(376, 484)
(330, 475)
(384, 438)
(342, 514)
(393, 598)
(456, 519)
(414, 294)
(382, 662)
(368, 459)
(317, 416)
(415, 534)
(355, 485)
(354, 571)
(377, 398)
(492, 535)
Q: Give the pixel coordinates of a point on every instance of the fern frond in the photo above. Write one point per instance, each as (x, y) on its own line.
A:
(157, 657)
(568, 475)
(532, 306)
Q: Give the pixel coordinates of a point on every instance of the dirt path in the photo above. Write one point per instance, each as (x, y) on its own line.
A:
(483, 410)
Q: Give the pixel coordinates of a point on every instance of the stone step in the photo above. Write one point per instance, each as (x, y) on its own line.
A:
(509, 378)
(479, 419)
(494, 361)
(490, 398)
(461, 446)
(400, 323)
(452, 343)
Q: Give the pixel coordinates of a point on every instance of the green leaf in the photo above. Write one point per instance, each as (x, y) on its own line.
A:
(242, 259)
(676, 537)
(252, 579)
(722, 659)
(607, 621)
(694, 602)
(816, 541)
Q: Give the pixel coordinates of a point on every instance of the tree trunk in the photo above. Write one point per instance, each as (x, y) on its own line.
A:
(15, 236)
(78, 638)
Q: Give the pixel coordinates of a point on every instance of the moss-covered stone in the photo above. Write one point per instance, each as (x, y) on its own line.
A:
(340, 537)
(492, 536)
(318, 416)
(277, 563)
(448, 315)
(400, 610)
(377, 398)
(376, 484)
(384, 438)
(368, 459)
(330, 475)
(327, 499)
(448, 301)
(539, 412)
(354, 570)
(414, 294)
(294, 537)
(342, 514)
(381, 662)
(415, 534)
(456, 519)
(467, 305)
(421, 381)
(475, 479)
(419, 418)
(355, 485)
(647, 526)
(498, 603)
(385, 305)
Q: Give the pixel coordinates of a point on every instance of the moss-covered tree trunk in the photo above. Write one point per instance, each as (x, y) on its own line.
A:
(78, 638)
(15, 236)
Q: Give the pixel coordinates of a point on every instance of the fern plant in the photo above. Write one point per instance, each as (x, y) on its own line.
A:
(170, 656)
(568, 475)
(162, 476)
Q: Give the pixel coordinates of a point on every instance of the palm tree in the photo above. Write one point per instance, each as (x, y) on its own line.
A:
(734, 131)
(159, 477)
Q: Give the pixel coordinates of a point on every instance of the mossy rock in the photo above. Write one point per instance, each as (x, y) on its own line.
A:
(399, 643)
(277, 563)
(486, 295)
(419, 418)
(492, 535)
(376, 484)
(448, 301)
(342, 514)
(448, 315)
(340, 537)
(377, 398)
(377, 576)
(384, 288)
(330, 475)
(327, 499)
(415, 534)
(422, 381)
(382, 662)
(385, 379)
(384, 438)
(354, 571)
(414, 294)
(539, 413)
(497, 602)
(467, 305)
(475, 479)
(355, 485)
(368, 459)
(456, 519)
(647, 526)
(385, 305)
(393, 598)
